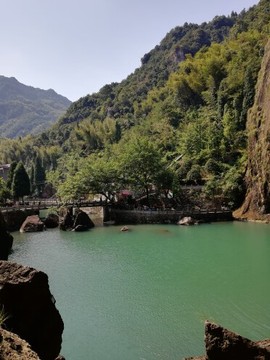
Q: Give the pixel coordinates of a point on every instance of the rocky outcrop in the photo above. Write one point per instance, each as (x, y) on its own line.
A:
(257, 202)
(222, 344)
(76, 220)
(6, 240)
(51, 221)
(30, 306)
(14, 217)
(83, 220)
(12, 347)
(32, 224)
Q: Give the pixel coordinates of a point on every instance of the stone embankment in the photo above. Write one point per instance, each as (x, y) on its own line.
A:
(167, 217)
(222, 344)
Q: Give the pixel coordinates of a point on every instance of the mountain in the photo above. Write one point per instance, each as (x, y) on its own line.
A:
(25, 109)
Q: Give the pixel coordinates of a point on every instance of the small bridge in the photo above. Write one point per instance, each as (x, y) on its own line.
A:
(135, 216)
(47, 204)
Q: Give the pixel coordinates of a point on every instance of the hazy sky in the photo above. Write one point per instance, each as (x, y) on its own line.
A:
(76, 47)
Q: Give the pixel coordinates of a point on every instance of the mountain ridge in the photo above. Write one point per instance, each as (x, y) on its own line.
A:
(25, 109)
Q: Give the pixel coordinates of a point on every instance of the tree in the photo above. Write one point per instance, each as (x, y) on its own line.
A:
(11, 173)
(141, 164)
(39, 176)
(101, 176)
(4, 191)
(21, 183)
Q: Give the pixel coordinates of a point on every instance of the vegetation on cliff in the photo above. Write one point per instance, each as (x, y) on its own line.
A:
(187, 103)
(257, 201)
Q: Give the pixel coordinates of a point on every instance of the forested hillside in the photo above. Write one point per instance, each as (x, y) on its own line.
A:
(178, 119)
(24, 109)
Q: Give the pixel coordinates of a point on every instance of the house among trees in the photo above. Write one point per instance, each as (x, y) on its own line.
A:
(4, 170)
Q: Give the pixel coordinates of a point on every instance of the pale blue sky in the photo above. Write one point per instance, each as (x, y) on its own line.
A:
(76, 47)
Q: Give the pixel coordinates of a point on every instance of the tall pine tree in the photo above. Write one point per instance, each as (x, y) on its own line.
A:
(21, 183)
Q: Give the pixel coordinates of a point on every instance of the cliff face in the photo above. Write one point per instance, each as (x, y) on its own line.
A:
(257, 202)
(27, 301)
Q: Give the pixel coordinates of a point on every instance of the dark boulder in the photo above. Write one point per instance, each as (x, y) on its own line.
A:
(51, 221)
(84, 220)
(32, 224)
(80, 228)
(67, 222)
(30, 306)
(222, 344)
(6, 240)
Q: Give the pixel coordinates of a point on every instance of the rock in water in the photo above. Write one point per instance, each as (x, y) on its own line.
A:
(187, 220)
(32, 224)
(222, 344)
(30, 306)
(51, 221)
(83, 220)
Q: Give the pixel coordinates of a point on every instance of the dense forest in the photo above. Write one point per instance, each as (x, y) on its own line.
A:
(179, 119)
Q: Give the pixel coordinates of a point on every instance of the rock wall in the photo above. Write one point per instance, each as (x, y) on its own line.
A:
(257, 202)
(30, 306)
(6, 240)
(222, 344)
(164, 217)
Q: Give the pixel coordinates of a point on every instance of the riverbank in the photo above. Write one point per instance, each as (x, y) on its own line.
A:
(167, 216)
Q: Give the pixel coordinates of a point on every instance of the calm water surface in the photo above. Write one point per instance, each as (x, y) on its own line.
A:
(144, 294)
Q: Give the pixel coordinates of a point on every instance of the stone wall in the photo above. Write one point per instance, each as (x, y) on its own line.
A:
(165, 217)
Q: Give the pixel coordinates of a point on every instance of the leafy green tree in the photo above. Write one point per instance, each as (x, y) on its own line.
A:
(194, 174)
(4, 191)
(142, 164)
(21, 182)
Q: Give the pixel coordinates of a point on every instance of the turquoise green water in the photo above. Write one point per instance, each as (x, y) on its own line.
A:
(144, 294)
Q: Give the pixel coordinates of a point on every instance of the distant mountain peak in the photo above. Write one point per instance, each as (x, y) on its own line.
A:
(26, 110)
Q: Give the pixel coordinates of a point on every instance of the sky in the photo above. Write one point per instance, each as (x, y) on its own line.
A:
(76, 47)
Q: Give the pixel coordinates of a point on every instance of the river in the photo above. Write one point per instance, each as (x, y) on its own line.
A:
(145, 294)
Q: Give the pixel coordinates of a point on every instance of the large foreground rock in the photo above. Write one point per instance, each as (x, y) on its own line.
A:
(222, 344)
(6, 240)
(30, 306)
(12, 347)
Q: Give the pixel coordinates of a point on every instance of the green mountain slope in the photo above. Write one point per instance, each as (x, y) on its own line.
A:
(24, 109)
